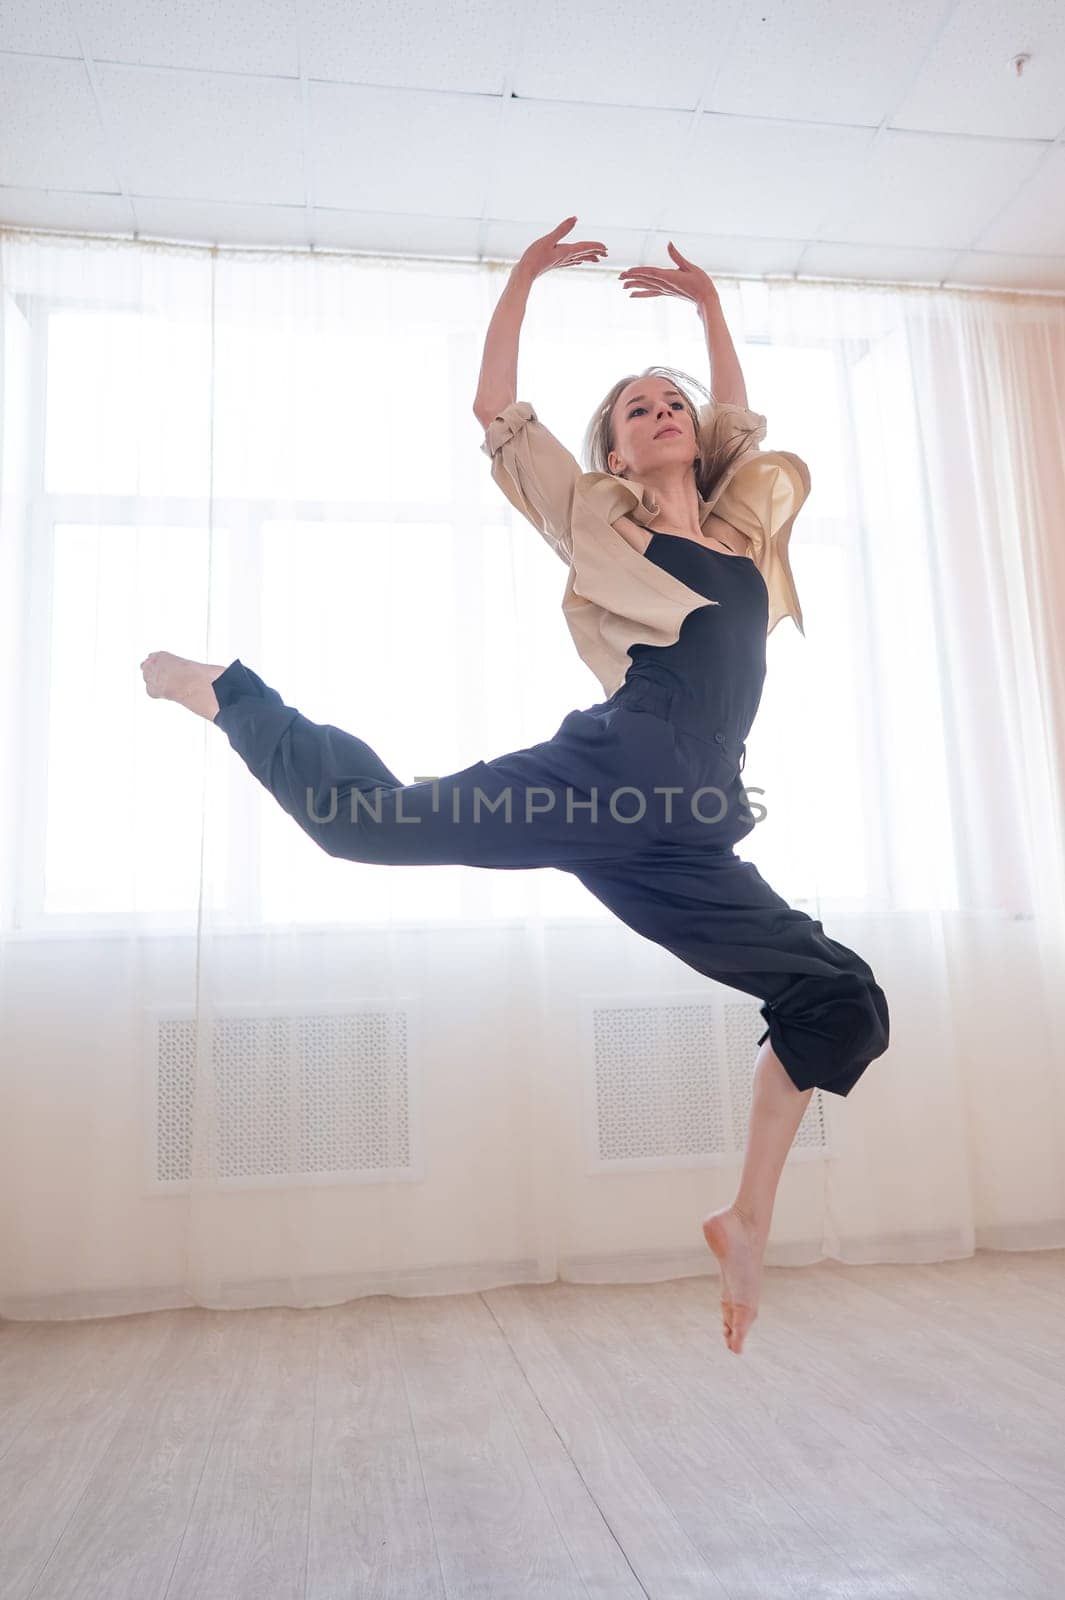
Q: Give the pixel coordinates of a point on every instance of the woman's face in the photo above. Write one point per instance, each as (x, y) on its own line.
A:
(643, 409)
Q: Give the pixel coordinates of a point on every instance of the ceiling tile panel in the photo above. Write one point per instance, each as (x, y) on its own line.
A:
(830, 258)
(421, 44)
(202, 136)
(201, 35)
(45, 27)
(770, 179)
(1032, 221)
(1009, 272)
(624, 55)
(935, 191)
(397, 234)
(50, 131)
(843, 61)
(58, 211)
(969, 84)
(401, 151)
(618, 163)
(222, 222)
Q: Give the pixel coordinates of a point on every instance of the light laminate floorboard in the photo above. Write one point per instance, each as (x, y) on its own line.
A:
(890, 1431)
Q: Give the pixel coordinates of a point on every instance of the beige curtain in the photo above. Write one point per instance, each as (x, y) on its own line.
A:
(237, 1072)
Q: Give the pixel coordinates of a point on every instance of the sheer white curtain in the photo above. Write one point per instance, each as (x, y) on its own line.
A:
(235, 1071)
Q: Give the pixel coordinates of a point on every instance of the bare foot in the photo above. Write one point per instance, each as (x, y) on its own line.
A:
(739, 1247)
(168, 677)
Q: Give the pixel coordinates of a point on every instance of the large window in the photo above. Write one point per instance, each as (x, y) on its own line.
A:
(353, 549)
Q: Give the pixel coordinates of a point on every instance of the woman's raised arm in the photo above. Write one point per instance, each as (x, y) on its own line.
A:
(498, 384)
(497, 387)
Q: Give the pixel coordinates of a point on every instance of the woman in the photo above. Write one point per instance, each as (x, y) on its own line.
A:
(676, 545)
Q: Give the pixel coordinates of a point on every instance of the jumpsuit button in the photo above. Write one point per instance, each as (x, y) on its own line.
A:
(720, 737)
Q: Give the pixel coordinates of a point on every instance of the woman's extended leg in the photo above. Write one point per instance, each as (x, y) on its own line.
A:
(551, 804)
(737, 1233)
(827, 1019)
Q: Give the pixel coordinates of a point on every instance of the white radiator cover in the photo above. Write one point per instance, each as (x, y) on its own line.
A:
(668, 1083)
(322, 1095)
(330, 1094)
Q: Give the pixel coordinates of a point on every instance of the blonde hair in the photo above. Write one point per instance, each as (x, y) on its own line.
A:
(715, 456)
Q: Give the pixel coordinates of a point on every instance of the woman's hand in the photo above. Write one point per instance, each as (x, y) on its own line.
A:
(686, 280)
(548, 252)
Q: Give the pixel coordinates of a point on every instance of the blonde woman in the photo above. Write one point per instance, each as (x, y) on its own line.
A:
(675, 542)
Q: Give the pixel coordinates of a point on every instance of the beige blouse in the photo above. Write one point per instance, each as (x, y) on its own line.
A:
(614, 596)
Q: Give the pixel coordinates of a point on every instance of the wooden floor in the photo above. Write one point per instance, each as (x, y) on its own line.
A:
(888, 1431)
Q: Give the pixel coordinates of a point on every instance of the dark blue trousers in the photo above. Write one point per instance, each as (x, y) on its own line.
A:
(643, 811)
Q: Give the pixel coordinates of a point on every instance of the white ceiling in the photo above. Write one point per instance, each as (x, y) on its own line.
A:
(824, 138)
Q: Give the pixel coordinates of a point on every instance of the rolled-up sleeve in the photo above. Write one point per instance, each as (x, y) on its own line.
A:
(765, 495)
(762, 499)
(536, 472)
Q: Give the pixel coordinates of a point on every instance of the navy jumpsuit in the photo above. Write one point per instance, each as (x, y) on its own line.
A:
(638, 796)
